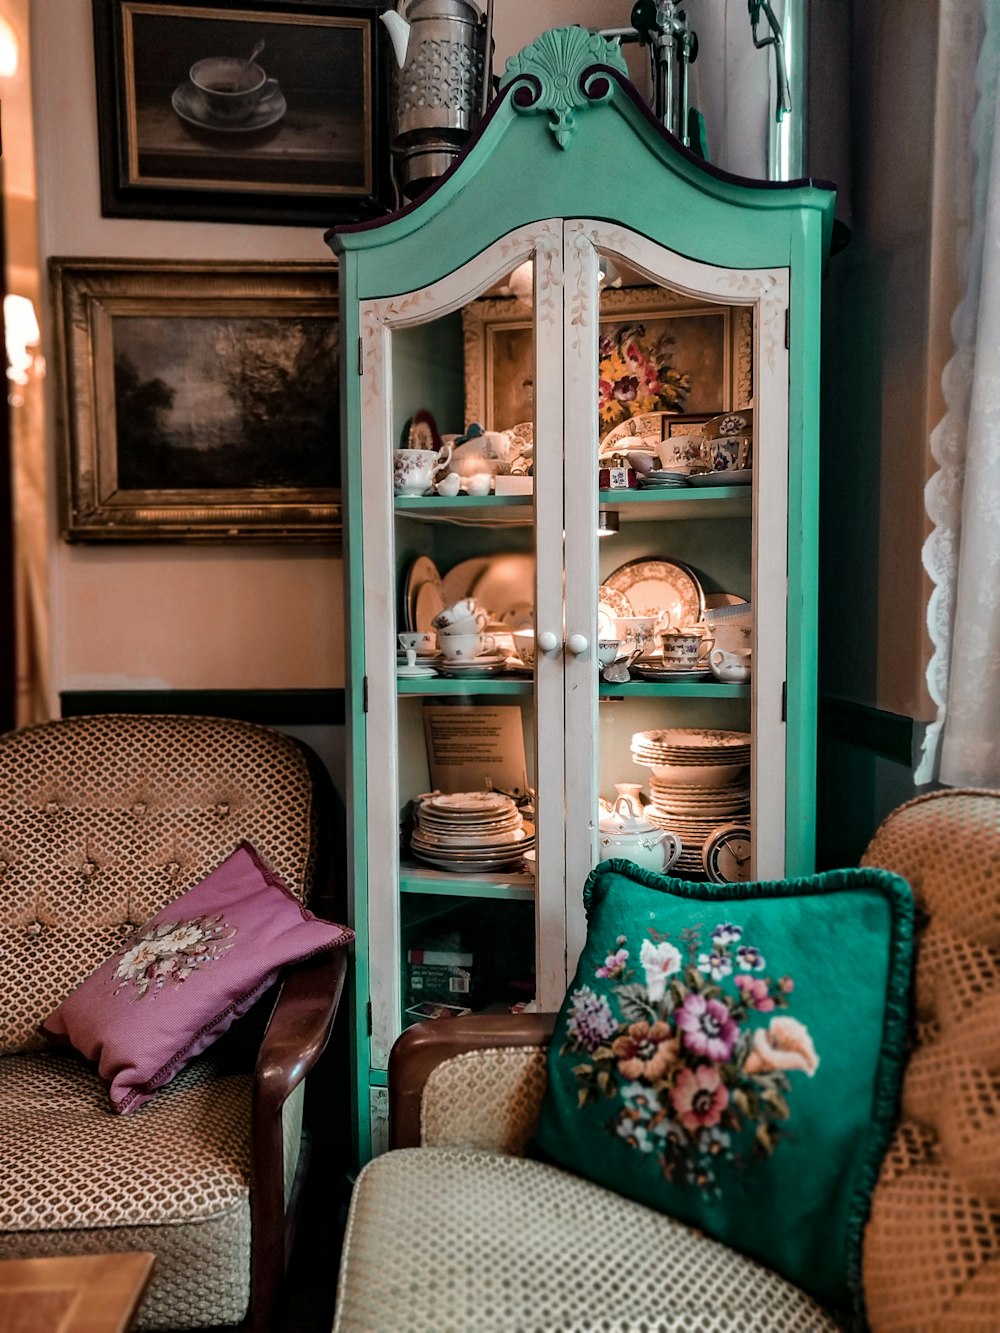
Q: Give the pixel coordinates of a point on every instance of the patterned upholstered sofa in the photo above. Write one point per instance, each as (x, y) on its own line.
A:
(102, 822)
(456, 1229)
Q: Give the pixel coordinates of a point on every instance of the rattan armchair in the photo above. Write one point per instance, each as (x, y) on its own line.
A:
(103, 820)
(456, 1228)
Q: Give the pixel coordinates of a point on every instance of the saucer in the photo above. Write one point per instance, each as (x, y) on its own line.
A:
(476, 666)
(738, 477)
(414, 672)
(189, 104)
(515, 664)
(647, 671)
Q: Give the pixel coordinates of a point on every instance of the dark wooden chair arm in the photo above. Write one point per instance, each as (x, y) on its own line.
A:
(296, 1036)
(424, 1046)
(299, 1028)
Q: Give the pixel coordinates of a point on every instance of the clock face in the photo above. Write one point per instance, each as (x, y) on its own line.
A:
(727, 854)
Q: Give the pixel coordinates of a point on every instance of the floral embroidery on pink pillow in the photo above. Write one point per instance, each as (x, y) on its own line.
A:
(171, 951)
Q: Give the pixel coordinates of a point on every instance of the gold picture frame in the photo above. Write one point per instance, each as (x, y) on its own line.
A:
(312, 149)
(198, 401)
(714, 344)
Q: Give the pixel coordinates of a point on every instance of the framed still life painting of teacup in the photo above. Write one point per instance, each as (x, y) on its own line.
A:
(246, 112)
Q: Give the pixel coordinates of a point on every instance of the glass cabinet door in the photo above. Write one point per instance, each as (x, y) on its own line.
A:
(675, 746)
(465, 737)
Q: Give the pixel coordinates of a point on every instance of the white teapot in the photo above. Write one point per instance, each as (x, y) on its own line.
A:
(623, 833)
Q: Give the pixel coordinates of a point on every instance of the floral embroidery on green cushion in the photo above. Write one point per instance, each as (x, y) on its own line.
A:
(731, 1054)
(171, 951)
(693, 1075)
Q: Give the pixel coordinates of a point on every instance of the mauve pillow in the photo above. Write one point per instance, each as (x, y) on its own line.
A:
(180, 981)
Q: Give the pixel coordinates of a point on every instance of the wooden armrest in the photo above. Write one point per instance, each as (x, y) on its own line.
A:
(424, 1046)
(299, 1028)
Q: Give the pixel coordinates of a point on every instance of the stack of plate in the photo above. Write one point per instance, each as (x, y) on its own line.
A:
(470, 831)
(699, 780)
(664, 479)
(487, 664)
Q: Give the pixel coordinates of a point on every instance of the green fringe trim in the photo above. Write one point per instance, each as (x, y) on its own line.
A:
(896, 1024)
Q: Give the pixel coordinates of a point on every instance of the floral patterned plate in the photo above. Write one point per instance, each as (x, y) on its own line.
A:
(662, 588)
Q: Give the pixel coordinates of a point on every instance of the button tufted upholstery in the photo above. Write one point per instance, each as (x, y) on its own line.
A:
(103, 821)
(459, 1219)
(932, 1247)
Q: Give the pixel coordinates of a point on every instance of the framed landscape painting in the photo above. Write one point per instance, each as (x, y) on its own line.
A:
(246, 112)
(198, 401)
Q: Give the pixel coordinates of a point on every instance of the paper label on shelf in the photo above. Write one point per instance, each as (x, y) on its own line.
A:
(472, 748)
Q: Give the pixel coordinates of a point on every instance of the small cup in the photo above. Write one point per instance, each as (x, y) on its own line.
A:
(684, 648)
(640, 629)
(524, 646)
(465, 647)
(463, 617)
(414, 470)
(728, 453)
(608, 651)
(679, 451)
(229, 90)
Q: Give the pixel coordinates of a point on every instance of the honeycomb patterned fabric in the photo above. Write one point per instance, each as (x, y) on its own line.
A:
(443, 1240)
(58, 1143)
(932, 1245)
(484, 1099)
(104, 820)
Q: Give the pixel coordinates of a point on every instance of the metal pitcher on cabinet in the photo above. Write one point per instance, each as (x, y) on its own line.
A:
(444, 53)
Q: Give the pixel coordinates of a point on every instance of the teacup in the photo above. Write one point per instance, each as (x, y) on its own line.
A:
(230, 90)
(608, 651)
(414, 641)
(414, 470)
(464, 647)
(728, 453)
(640, 629)
(733, 667)
(463, 617)
(684, 648)
(524, 645)
(679, 450)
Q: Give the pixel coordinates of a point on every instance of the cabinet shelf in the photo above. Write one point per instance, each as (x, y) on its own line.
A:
(707, 689)
(494, 884)
(484, 686)
(633, 506)
(449, 685)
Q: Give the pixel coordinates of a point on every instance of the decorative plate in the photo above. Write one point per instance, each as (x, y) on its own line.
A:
(423, 570)
(662, 588)
(739, 477)
(610, 605)
(507, 581)
(428, 603)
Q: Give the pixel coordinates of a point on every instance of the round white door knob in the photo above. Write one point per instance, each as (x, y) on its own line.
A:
(547, 641)
(577, 644)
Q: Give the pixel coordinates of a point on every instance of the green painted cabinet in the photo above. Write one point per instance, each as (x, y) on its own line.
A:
(576, 266)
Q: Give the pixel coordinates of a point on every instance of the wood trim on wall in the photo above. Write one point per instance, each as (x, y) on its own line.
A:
(319, 708)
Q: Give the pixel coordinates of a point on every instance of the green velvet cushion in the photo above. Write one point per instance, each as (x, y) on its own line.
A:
(731, 1055)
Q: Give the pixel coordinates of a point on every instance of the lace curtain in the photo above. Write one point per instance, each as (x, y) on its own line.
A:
(962, 554)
